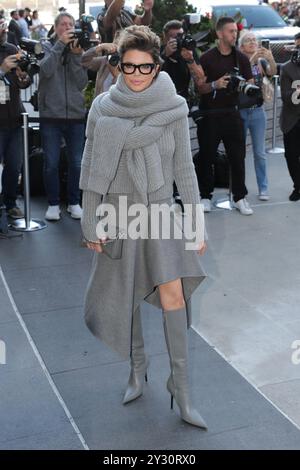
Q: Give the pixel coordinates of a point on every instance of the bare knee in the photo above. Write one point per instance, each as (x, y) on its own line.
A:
(171, 295)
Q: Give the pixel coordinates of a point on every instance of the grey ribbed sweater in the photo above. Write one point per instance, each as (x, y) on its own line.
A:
(173, 146)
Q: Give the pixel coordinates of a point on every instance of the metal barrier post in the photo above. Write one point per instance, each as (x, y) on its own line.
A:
(275, 150)
(27, 224)
(226, 203)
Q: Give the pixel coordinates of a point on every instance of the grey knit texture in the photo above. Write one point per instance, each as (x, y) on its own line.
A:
(116, 164)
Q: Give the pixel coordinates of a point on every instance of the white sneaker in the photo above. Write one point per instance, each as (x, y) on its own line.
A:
(75, 211)
(206, 205)
(263, 196)
(244, 207)
(53, 213)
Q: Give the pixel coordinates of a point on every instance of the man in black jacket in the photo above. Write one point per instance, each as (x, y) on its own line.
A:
(290, 118)
(11, 80)
(14, 27)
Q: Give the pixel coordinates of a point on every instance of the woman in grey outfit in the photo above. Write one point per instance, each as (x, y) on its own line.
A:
(137, 145)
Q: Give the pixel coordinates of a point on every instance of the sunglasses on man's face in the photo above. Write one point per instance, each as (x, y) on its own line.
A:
(144, 69)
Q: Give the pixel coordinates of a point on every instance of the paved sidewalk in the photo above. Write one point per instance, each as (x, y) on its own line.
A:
(251, 292)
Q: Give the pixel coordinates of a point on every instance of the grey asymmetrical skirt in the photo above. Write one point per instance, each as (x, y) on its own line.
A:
(117, 286)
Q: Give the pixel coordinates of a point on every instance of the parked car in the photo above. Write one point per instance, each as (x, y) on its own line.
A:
(265, 22)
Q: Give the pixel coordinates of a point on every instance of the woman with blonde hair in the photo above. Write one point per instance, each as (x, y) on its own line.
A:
(137, 144)
(253, 113)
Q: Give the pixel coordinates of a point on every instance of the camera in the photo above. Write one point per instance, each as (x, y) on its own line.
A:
(114, 59)
(185, 40)
(82, 33)
(29, 55)
(295, 57)
(238, 84)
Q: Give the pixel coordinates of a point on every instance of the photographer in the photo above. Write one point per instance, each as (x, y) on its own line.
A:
(12, 79)
(115, 15)
(62, 113)
(221, 119)
(290, 118)
(96, 59)
(251, 108)
(180, 63)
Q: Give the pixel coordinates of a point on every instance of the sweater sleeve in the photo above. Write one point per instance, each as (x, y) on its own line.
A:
(89, 220)
(53, 55)
(185, 177)
(78, 72)
(88, 148)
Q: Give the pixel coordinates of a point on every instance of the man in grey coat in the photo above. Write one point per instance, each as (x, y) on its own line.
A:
(62, 113)
(290, 118)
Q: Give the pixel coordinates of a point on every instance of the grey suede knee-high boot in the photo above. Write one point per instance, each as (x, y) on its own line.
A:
(175, 327)
(139, 361)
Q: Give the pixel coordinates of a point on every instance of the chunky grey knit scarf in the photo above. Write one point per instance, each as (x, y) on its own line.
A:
(116, 133)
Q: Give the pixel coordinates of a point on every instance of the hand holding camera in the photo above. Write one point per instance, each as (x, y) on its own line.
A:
(222, 82)
(187, 54)
(75, 48)
(171, 47)
(9, 63)
(67, 36)
(106, 48)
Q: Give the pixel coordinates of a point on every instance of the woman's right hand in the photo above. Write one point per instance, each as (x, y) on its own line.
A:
(202, 248)
(96, 246)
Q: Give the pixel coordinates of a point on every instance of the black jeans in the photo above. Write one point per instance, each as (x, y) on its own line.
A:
(11, 154)
(211, 131)
(292, 153)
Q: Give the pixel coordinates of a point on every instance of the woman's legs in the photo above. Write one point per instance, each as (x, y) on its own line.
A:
(175, 328)
(139, 362)
(257, 126)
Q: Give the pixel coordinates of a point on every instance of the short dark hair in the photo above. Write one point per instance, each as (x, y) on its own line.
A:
(173, 24)
(13, 12)
(140, 38)
(21, 13)
(222, 21)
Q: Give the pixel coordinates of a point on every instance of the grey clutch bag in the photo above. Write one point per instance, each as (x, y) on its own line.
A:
(113, 247)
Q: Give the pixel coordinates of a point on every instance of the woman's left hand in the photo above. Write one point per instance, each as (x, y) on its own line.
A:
(202, 248)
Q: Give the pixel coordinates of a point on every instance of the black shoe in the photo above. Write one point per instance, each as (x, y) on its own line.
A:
(15, 213)
(295, 196)
(178, 201)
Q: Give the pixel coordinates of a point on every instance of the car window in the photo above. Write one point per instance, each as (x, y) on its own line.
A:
(255, 16)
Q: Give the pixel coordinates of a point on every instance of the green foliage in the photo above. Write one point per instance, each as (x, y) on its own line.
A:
(166, 10)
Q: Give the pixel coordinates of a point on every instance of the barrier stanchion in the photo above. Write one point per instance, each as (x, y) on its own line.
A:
(27, 224)
(275, 150)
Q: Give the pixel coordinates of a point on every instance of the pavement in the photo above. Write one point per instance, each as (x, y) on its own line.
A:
(62, 389)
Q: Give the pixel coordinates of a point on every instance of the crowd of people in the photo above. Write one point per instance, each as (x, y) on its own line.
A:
(66, 69)
(135, 142)
(24, 23)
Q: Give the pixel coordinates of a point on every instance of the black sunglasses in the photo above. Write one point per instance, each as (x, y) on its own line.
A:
(144, 69)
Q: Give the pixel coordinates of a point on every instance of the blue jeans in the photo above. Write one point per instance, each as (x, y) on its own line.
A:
(255, 121)
(11, 155)
(51, 134)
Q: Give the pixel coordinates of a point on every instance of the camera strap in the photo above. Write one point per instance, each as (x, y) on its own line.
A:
(4, 91)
